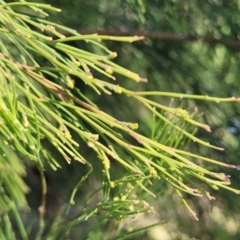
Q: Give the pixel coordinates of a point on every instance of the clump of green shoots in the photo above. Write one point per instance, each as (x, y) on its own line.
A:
(40, 101)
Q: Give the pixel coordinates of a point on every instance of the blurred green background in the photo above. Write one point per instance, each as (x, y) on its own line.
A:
(189, 47)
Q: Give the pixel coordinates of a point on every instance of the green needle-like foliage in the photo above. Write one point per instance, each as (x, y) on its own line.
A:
(41, 109)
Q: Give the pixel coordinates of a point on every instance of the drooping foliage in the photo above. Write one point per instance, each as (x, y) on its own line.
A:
(65, 97)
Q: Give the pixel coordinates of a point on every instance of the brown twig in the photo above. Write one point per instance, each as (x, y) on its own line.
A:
(170, 36)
